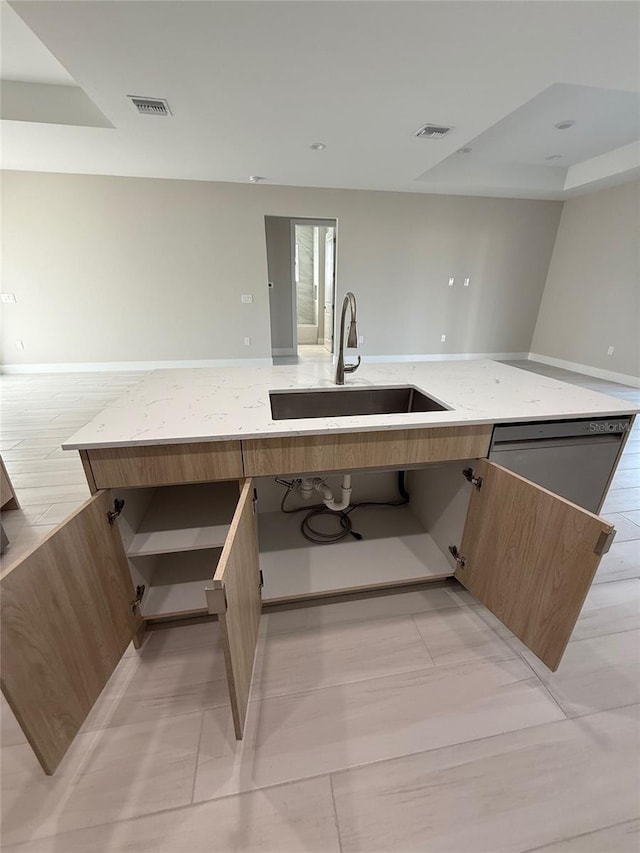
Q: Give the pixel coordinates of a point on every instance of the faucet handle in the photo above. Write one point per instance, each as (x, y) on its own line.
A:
(351, 368)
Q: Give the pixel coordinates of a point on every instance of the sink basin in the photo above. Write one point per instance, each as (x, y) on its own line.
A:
(342, 402)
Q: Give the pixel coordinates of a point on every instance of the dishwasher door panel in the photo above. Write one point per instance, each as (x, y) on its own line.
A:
(576, 469)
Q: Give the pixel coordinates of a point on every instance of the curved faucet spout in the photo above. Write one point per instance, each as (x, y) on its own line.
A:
(349, 301)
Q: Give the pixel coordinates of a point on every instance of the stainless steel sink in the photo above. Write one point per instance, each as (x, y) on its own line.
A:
(342, 402)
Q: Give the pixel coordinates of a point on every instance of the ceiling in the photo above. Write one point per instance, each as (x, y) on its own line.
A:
(252, 84)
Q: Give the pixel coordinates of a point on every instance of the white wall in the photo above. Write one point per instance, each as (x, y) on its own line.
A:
(112, 269)
(592, 296)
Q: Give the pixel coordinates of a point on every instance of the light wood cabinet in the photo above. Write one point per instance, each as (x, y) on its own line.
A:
(8, 499)
(352, 451)
(70, 608)
(163, 464)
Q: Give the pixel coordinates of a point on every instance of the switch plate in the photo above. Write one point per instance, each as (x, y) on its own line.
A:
(19, 344)
(7, 298)
(610, 350)
(443, 338)
(467, 282)
(247, 342)
(360, 339)
(452, 281)
(246, 298)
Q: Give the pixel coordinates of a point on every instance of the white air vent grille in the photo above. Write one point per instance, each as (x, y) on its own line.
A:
(150, 106)
(432, 131)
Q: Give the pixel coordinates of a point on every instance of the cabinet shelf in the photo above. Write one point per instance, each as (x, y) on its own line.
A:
(395, 549)
(175, 583)
(185, 518)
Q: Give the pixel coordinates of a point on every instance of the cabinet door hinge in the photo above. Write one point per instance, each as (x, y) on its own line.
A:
(118, 506)
(469, 475)
(136, 601)
(457, 556)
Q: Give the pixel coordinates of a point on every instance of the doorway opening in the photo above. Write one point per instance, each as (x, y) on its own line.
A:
(301, 261)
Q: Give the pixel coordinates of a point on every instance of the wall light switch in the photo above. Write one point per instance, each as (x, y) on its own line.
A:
(467, 282)
(443, 338)
(247, 342)
(360, 339)
(19, 345)
(452, 281)
(246, 298)
(610, 350)
(7, 297)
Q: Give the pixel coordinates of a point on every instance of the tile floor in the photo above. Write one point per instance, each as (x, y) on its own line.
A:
(410, 723)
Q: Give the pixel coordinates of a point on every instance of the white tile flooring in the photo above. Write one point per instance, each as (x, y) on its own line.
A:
(407, 723)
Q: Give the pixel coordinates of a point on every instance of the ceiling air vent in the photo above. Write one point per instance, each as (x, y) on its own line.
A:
(432, 131)
(150, 106)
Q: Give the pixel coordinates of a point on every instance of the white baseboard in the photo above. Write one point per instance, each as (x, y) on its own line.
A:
(453, 356)
(598, 372)
(113, 366)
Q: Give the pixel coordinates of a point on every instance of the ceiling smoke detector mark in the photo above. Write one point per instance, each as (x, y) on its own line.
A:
(565, 125)
(432, 131)
(150, 106)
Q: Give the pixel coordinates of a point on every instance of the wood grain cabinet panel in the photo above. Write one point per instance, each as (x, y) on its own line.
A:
(165, 464)
(530, 557)
(235, 595)
(349, 451)
(66, 619)
(8, 499)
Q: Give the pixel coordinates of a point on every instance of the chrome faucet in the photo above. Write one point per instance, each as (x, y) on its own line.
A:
(349, 301)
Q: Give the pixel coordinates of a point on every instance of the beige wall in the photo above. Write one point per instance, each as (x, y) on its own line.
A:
(592, 296)
(130, 269)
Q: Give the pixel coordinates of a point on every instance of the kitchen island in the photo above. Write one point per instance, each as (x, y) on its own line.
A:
(170, 533)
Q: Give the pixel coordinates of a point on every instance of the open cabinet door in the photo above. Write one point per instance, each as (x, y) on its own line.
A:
(236, 597)
(530, 557)
(66, 619)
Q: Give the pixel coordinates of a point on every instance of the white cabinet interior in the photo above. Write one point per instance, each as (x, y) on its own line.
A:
(173, 538)
(397, 544)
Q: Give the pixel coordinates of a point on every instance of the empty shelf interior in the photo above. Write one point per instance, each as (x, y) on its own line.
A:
(184, 518)
(175, 583)
(395, 549)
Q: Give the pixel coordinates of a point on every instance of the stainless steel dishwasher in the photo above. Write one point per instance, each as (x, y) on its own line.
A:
(574, 459)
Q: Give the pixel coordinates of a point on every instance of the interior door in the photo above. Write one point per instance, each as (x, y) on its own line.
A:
(236, 597)
(530, 557)
(329, 286)
(66, 619)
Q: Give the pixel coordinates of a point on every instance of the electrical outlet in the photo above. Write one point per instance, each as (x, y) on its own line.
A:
(246, 298)
(247, 342)
(443, 338)
(610, 350)
(467, 282)
(452, 281)
(19, 344)
(360, 339)
(7, 297)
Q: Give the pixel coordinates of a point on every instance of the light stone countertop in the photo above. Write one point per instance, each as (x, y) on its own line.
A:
(214, 404)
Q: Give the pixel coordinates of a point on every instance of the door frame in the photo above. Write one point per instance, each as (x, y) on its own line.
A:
(319, 223)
